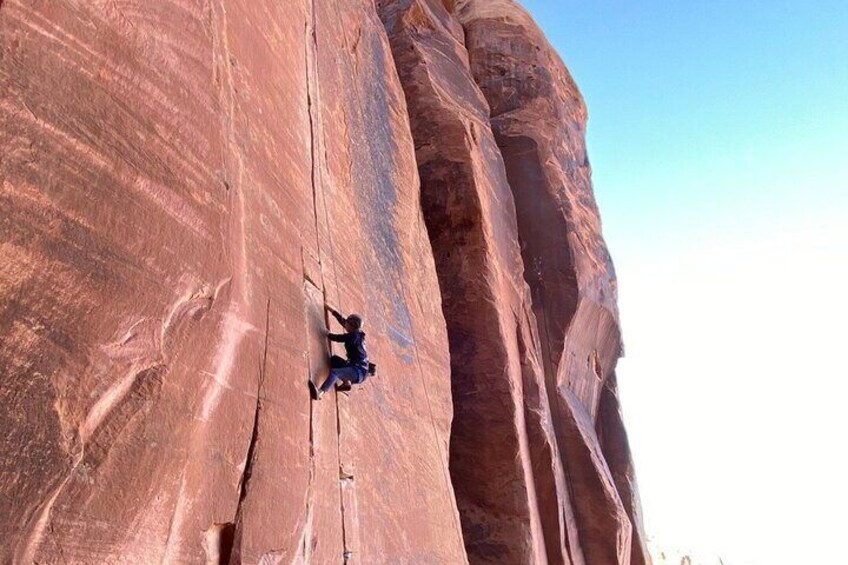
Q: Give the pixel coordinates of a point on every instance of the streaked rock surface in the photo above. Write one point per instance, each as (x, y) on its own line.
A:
(504, 463)
(538, 118)
(183, 186)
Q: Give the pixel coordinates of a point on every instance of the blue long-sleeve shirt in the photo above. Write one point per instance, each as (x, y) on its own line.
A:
(354, 344)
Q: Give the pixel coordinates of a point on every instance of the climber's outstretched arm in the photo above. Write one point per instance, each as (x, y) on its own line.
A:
(339, 318)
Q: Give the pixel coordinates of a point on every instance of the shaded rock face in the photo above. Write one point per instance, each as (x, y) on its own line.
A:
(182, 189)
(616, 449)
(506, 473)
(506, 192)
(538, 118)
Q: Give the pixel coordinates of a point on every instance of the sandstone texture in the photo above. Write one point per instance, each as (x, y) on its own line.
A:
(538, 118)
(185, 185)
(513, 500)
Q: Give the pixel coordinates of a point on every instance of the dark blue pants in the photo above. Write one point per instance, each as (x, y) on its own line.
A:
(341, 371)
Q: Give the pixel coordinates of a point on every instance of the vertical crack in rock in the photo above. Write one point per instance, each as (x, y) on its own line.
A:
(316, 142)
(309, 56)
(440, 449)
(230, 146)
(234, 328)
(252, 449)
(312, 75)
(306, 543)
(403, 299)
(345, 549)
(306, 538)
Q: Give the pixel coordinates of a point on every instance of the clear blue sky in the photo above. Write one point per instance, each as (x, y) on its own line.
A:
(718, 135)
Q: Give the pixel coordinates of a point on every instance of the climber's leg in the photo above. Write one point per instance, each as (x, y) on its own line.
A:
(346, 374)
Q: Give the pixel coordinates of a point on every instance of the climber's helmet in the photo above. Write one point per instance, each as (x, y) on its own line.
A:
(353, 322)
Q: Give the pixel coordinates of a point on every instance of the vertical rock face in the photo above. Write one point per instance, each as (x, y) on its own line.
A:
(182, 189)
(616, 449)
(505, 470)
(538, 118)
(520, 134)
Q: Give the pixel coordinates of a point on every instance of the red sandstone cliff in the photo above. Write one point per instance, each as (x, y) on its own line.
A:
(184, 185)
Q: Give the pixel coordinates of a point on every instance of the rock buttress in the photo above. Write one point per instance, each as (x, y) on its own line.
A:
(504, 461)
(181, 189)
(616, 448)
(538, 118)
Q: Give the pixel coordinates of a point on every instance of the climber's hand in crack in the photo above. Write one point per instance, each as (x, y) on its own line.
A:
(331, 310)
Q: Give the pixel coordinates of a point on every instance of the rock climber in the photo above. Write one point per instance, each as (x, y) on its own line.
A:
(353, 370)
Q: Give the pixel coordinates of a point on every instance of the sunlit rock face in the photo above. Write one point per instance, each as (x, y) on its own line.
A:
(183, 186)
(182, 189)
